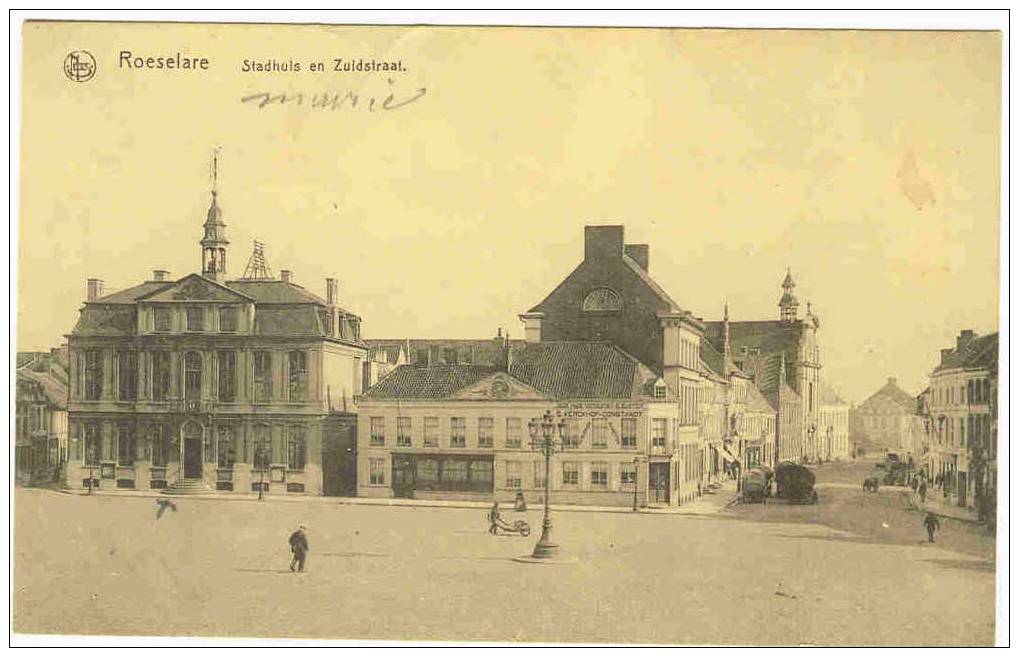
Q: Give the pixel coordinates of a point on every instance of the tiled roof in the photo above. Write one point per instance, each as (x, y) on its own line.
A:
(981, 352)
(53, 388)
(756, 402)
(890, 392)
(290, 320)
(650, 282)
(427, 382)
(766, 335)
(132, 294)
(713, 358)
(563, 370)
(106, 319)
(274, 291)
(827, 396)
(580, 370)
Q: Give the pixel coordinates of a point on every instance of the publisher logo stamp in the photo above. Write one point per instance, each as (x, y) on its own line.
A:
(79, 66)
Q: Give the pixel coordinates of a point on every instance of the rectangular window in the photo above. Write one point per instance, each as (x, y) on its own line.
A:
(572, 440)
(481, 475)
(403, 431)
(227, 375)
(263, 377)
(196, 318)
(157, 445)
(228, 318)
(571, 473)
(513, 432)
(377, 431)
(628, 475)
(513, 474)
(226, 447)
(486, 428)
(629, 432)
(659, 428)
(161, 318)
(298, 375)
(600, 476)
(431, 431)
(261, 446)
(427, 473)
(93, 375)
(125, 445)
(377, 472)
(127, 375)
(454, 471)
(599, 433)
(660, 391)
(457, 432)
(91, 437)
(539, 475)
(160, 375)
(297, 447)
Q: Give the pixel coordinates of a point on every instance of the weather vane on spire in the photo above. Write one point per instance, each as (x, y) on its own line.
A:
(215, 170)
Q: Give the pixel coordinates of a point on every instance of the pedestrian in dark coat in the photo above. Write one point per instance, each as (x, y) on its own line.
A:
(299, 547)
(932, 525)
(922, 491)
(493, 518)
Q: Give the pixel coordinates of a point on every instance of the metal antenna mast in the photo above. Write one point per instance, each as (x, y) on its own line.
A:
(258, 265)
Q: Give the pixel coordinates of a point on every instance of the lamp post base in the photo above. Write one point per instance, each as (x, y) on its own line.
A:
(546, 548)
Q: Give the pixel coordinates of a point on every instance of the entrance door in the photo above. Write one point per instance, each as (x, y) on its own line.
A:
(963, 483)
(658, 483)
(403, 478)
(193, 458)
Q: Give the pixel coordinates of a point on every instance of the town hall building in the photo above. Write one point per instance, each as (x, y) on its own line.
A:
(209, 383)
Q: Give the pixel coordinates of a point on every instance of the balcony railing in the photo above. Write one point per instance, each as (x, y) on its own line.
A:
(192, 405)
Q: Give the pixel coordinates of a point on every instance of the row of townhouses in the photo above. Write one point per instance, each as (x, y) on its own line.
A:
(254, 383)
(950, 430)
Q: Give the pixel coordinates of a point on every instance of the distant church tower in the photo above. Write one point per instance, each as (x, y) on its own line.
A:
(214, 242)
(788, 306)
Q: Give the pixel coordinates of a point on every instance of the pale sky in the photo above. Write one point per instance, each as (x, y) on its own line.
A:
(866, 162)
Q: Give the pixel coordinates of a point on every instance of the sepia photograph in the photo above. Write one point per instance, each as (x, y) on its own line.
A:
(507, 335)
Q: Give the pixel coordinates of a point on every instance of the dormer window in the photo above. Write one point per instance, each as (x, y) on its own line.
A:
(660, 391)
(196, 319)
(228, 318)
(161, 318)
(602, 300)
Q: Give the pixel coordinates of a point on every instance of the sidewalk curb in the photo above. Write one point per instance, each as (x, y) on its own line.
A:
(697, 508)
(962, 515)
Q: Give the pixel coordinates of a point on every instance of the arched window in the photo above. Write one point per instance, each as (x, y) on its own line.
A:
(602, 299)
(192, 375)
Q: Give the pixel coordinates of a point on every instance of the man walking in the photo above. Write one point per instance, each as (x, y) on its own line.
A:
(932, 525)
(493, 518)
(922, 490)
(299, 547)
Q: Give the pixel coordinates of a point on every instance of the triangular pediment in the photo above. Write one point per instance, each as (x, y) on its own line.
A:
(195, 288)
(500, 387)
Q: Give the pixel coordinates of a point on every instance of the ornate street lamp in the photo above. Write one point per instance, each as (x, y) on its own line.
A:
(547, 435)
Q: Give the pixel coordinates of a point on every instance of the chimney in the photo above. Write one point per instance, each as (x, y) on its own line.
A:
(285, 275)
(603, 242)
(892, 380)
(93, 289)
(330, 290)
(964, 338)
(945, 354)
(160, 275)
(638, 252)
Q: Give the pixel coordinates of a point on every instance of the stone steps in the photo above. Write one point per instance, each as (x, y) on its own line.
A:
(186, 487)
